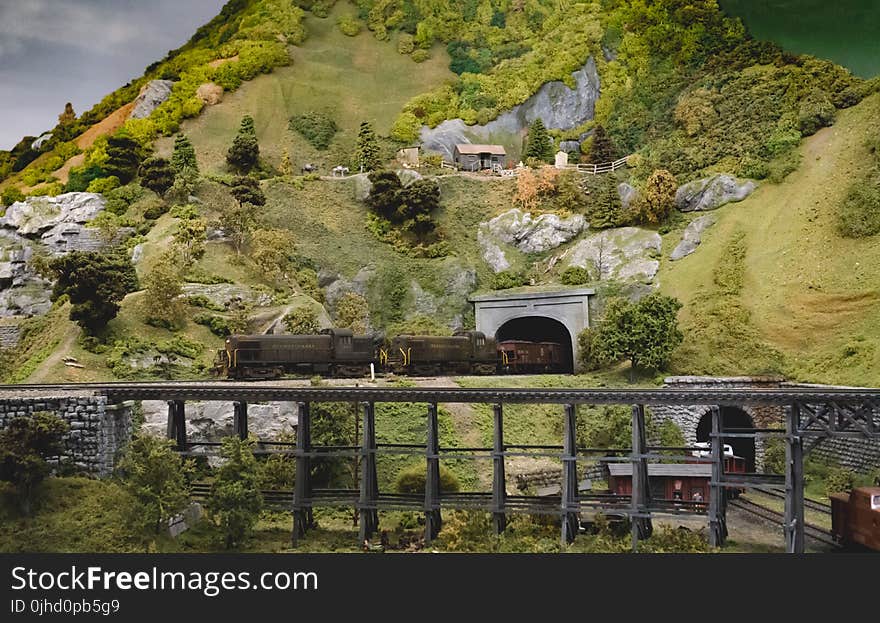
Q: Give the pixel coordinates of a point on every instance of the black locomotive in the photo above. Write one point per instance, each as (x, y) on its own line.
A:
(340, 353)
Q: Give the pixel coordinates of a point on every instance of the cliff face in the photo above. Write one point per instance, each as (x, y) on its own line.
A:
(557, 105)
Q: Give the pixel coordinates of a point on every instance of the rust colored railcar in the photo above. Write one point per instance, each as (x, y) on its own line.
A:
(518, 356)
(466, 352)
(336, 352)
(855, 517)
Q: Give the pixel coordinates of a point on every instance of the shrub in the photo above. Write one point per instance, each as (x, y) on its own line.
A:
(235, 501)
(839, 480)
(317, 128)
(25, 444)
(420, 56)
(412, 480)
(658, 197)
(11, 195)
(859, 215)
(507, 279)
(103, 185)
(349, 25)
(575, 276)
(302, 321)
(352, 312)
(406, 44)
(154, 208)
(217, 324)
(816, 112)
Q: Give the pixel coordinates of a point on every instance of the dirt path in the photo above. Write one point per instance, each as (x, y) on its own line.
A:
(46, 372)
(466, 429)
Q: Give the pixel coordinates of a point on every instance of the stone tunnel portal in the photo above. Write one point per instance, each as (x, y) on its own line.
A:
(732, 418)
(540, 329)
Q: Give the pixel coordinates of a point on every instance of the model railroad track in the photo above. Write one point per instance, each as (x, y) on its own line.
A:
(812, 505)
(814, 532)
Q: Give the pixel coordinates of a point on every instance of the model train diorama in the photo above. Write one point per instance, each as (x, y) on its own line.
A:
(855, 517)
(340, 353)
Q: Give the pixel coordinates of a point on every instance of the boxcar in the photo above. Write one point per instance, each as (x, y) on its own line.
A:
(468, 352)
(336, 352)
(855, 517)
(517, 356)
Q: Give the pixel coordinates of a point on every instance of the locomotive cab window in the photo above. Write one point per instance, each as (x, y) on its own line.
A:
(875, 502)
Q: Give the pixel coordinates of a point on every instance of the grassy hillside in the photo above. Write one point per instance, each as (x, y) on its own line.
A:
(352, 79)
(809, 293)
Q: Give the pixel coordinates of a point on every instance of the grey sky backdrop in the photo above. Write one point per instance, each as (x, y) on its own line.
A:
(58, 51)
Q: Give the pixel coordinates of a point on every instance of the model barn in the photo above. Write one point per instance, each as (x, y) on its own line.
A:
(470, 157)
(669, 481)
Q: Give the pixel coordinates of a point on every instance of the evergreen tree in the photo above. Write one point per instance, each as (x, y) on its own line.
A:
(68, 116)
(602, 149)
(124, 155)
(539, 145)
(235, 502)
(384, 197)
(184, 156)
(247, 190)
(245, 151)
(157, 175)
(367, 156)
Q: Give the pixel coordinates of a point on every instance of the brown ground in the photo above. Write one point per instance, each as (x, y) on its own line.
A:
(110, 124)
(222, 61)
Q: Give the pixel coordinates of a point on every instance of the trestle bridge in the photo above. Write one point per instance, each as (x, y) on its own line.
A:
(811, 416)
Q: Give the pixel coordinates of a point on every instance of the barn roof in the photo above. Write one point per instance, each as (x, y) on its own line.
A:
(471, 148)
(680, 470)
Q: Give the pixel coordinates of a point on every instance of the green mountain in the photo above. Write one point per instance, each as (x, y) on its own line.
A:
(779, 283)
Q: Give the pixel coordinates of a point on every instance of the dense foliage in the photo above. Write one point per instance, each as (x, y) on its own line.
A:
(235, 501)
(318, 128)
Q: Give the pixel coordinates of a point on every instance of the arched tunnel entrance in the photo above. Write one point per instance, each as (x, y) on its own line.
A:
(540, 329)
(732, 417)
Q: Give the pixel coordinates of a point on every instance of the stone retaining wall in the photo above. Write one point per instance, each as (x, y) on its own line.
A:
(9, 335)
(98, 430)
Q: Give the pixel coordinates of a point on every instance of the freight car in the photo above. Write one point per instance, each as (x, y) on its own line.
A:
(467, 352)
(517, 357)
(335, 352)
(855, 517)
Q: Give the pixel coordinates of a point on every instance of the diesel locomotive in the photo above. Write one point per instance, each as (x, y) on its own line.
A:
(340, 353)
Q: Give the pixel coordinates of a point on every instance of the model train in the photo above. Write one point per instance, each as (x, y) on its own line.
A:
(340, 353)
(855, 517)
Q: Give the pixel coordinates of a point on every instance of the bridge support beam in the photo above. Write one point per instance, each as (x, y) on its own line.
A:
(499, 483)
(794, 482)
(640, 513)
(177, 424)
(368, 515)
(302, 491)
(570, 521)
(240, 419)
(717, 492)
(433, 519)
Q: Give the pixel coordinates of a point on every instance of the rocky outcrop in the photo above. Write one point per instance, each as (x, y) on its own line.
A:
(621, 254)
(211, 94)
(712, 192)
(493, 254)
(222, 294)
(532, 235)
(154, 94)
(212, 421)
(37, 145)
(56, 225)
(692, 236)
(628, 195)
(557, 105)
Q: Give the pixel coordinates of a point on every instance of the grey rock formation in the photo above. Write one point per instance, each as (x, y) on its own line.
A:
(712, 192)
(621, 254)
(533, 235)
(211, 421)
(424, 303)
(223, 293)
(340, 286)
(628, 195)
(38, 144)
(557, 105)
(691, 237)
(570, 146)
(153, 95)
(38, 215)
(493, 254)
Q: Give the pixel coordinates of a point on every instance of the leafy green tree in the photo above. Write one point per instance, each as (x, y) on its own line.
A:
(235, 501)
(247, 190)
(352, 312)
(156, 476)
(25, 444)
(286, 167)
(157, 175)
(539, 145)
(367, 153)
(12, 195)
(602, 149)
(184, 155)
(421, 198)
(645, 332)
(271, 251)
(658, 197)
(96, 283)
(384, 198)
(189, 240)
(244, 154)
(302, 321)
(278, 471)
(164, 286)
(239, 222)
(80, 177)
(124, 155)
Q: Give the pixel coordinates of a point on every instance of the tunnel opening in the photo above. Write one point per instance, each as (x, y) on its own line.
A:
(537, 329)
(732, 418)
